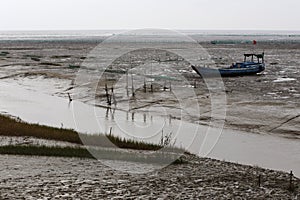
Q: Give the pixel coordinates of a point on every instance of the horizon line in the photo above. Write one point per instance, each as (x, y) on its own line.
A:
(131, 29)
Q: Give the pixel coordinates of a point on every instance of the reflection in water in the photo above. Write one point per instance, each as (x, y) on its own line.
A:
(107, 112)
(142, 126)
(262, 150)
(110, 114)
(112, 111)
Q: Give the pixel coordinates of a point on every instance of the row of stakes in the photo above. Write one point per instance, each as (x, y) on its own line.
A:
(291, 184)
(111, 97)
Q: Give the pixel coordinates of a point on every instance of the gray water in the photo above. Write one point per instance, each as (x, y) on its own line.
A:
(204, 35)
(236, 146)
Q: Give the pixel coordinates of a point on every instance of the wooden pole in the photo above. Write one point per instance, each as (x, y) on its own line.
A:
(70, 98)
(107, 95)
(291, 181)
(145, 86)
(132, 88)
(127, 84)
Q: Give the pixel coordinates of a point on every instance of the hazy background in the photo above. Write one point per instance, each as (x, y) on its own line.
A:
(133, 14)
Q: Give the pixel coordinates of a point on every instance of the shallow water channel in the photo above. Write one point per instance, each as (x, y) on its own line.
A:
(246, 148)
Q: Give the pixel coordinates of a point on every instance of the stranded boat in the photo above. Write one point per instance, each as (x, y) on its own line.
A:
(248, 67)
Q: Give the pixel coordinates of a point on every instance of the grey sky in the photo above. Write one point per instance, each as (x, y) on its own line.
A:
(132, 14)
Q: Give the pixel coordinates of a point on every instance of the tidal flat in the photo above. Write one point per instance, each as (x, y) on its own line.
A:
(266, 104)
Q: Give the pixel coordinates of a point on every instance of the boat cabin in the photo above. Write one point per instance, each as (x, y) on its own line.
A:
(260, 57)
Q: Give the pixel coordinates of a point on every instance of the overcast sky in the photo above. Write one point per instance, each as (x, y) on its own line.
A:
(136, 14)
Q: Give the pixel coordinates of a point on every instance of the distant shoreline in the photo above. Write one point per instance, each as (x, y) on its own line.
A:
(99, 35)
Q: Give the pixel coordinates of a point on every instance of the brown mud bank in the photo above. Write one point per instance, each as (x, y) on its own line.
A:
(66, 178)
(265, 103)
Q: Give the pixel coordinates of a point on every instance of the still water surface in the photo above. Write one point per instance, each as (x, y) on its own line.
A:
(236, 146)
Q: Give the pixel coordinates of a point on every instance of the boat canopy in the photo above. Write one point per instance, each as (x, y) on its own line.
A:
(252, 55)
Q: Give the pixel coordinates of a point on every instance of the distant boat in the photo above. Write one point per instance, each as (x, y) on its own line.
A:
(238, 69)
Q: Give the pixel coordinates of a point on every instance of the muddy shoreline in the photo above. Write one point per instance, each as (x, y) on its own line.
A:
(266, 103)
(64, 178)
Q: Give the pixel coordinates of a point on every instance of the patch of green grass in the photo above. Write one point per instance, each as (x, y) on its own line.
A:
(45, 151)
(74, 66)
(105, 154)
(32, 56)
(16, 127)
(4, 53)
(36, 59)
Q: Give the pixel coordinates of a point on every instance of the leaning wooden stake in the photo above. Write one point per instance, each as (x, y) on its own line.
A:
(70, 98)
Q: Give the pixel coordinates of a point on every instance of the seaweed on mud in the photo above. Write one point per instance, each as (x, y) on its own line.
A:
(50, 64)
(74, 66)
(61, 56)
(4, 53)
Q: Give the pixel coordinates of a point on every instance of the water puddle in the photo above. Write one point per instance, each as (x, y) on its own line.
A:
(279, 80)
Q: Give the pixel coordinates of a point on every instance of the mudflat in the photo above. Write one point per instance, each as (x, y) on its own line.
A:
(65, 178)
(264, 103)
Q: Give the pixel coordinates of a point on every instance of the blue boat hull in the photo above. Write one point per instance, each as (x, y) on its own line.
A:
(227, 72)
